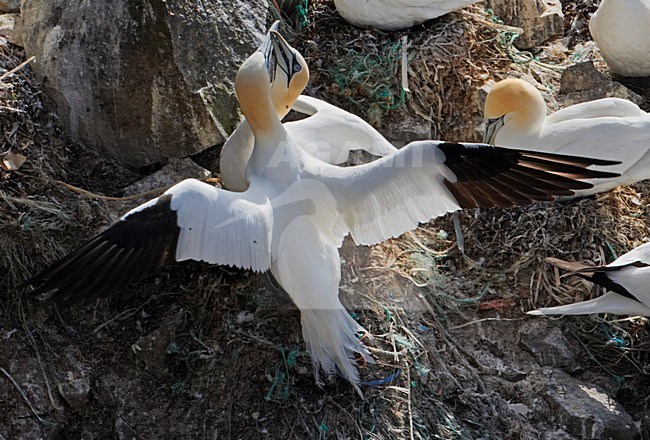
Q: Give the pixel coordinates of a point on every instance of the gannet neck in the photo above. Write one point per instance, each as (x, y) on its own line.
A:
(519, 104)
(252, 85)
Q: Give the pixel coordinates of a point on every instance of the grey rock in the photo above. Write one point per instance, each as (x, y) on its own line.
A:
(558, 434)
(7, 28)
(586, 411)
(143, 81)
(408, 129)
(123, 430)
(172, 173)
(75, 390)
(541, 20)
(582, 82)
(497, 363)
(548, 345)
(73, 380)
(9, 5)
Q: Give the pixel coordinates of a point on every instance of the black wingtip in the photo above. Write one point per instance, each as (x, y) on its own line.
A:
(492, 176)
(123, 254)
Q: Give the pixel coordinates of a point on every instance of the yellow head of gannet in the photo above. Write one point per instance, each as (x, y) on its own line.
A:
(297, 210)
(626, 280)
(516, 103)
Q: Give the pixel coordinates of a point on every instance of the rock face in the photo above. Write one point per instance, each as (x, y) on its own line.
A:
(143, 80)
(541, 20)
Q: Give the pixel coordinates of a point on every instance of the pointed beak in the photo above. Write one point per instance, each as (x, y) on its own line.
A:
(266, 47)
(492, 127)
(284, 55)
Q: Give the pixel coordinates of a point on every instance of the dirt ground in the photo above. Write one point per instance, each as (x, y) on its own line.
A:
(205, 352)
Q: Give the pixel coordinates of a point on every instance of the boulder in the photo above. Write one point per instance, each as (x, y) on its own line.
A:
(172, 173)
(582, 82)
(143, 80)
(407, 129)
(541, 20)
(586, 411)
(8, 28)
(548, 345)
(9, 6)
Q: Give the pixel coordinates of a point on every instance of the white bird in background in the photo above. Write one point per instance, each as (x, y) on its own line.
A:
(608, 128)
(621, 28)
(297, 210)
(329, 134)
(626, 279)
(391, 15)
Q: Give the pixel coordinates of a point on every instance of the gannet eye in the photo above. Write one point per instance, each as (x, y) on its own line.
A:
(296, 68)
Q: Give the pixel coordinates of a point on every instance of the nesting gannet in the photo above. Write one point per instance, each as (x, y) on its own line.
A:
(608, 128)
(626, 280)
(391, 15)
(329, 134)
(297, 210)
(620, 28)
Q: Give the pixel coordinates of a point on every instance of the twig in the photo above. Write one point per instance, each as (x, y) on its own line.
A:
(123, 315)
(497, 26)
(483, 320)
(410, 410)
(92, 195)
(24, 396)
(17, 68)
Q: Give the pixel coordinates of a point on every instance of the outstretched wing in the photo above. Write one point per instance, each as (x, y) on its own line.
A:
(427, 179)
(190, 221)
(330, 133)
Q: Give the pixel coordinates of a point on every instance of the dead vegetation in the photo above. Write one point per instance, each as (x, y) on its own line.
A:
(195, 351)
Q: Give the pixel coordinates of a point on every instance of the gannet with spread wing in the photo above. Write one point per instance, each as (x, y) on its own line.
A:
(297, 209)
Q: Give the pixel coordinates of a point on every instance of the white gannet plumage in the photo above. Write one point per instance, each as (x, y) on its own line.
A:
(297, 209)
(329, 134)
(608, 128)
(391, 15)
(620, 28)
(626, 280)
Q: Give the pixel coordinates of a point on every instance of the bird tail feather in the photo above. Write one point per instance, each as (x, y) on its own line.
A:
(331, 337)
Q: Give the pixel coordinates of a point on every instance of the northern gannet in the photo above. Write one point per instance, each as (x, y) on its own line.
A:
(626, 280)
(621, 30)
(608, 128)
(297, 210)
(391, 15)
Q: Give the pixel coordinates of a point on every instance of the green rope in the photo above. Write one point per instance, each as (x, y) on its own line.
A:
(370, 80)
(302, 9)
(280, 386)
(506, 42)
